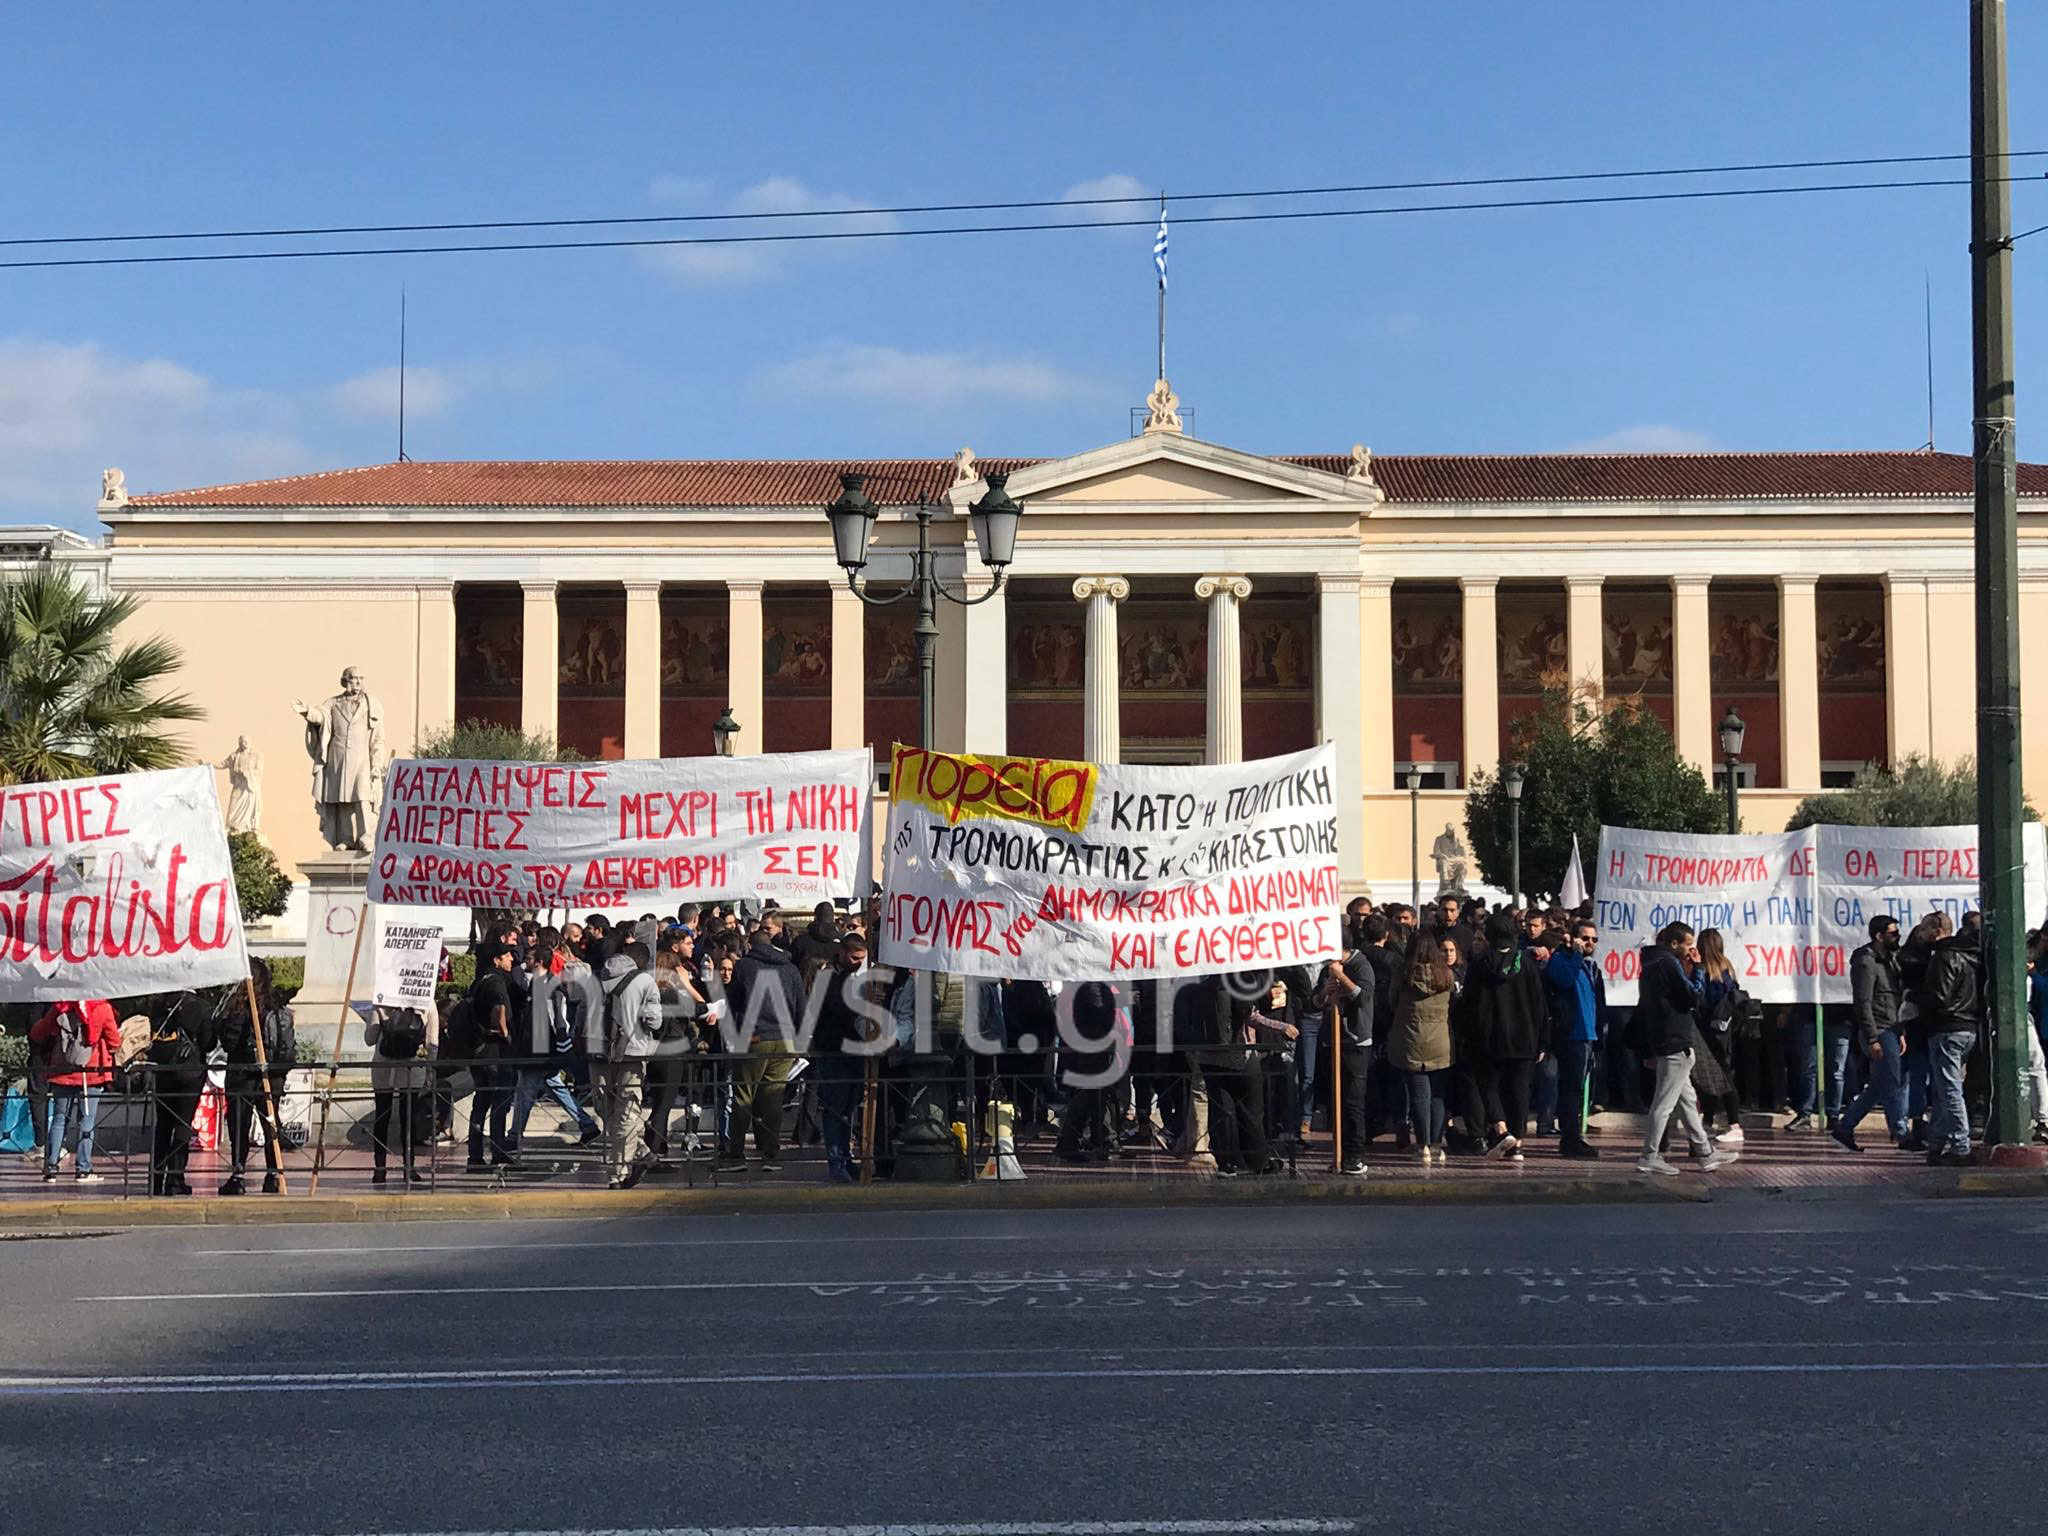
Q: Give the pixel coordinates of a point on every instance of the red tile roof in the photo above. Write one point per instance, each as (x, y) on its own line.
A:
(1563, 477)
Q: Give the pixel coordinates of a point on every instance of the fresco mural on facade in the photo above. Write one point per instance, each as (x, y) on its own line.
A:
(1851, 639)
(592, 652)
(1636, 641)
(489, 647)
(889, 650)
(796, 649)
(1162, 648)
(693, 647)
(1745, 639)
(1428, 641)
(1532, 640)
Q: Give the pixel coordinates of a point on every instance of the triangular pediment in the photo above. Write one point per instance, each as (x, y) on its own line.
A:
(1166, 467)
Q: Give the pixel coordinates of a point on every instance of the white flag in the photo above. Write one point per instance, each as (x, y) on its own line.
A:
(1572, 894)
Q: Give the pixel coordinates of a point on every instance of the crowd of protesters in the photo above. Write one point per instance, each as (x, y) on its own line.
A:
(1442, 1032)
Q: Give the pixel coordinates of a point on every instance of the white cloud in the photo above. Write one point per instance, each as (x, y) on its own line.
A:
(892, 376)
(1648, 439)
(69, 410)
(373, 396)
(778, 195)
(1115, 184)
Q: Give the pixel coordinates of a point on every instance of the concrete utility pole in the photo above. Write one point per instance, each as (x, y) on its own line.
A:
(2000, 858)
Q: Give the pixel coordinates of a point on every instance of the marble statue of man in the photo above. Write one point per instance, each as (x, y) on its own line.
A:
(244, 768)
(345, 739)
(1449, 856)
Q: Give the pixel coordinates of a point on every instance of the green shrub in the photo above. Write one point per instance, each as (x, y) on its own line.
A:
(13, 1058)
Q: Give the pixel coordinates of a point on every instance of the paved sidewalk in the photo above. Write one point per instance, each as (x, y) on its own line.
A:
(557, 1175)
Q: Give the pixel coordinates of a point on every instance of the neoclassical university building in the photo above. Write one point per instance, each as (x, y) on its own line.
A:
(1407, 609)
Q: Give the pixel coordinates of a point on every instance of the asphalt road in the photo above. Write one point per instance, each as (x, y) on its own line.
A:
(1732, 1367)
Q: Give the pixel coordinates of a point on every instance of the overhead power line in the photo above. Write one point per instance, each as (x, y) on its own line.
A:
(1180, 198)
(791, 237)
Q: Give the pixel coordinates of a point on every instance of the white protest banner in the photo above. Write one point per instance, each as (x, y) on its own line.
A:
(114, 887)
(1792, 907)
(1905, 873)
(1755, 889)
(786, 827)
(408, 963)
(1044, 869)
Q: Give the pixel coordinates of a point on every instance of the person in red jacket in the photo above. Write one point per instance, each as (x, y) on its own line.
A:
(75, 1085)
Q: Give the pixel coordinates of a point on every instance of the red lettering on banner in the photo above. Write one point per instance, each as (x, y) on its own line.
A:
(1950, 864)
(811, 860)
(123, 917)
(1768, 962)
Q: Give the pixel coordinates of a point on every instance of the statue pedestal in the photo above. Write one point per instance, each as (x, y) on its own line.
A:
(336, 909)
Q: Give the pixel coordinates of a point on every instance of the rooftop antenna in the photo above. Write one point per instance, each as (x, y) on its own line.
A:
(1927, 299)
(401, 373)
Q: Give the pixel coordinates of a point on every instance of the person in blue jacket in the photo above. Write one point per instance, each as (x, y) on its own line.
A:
(1577, 994)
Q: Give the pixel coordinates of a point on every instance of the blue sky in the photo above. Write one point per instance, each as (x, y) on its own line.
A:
(1765, 323)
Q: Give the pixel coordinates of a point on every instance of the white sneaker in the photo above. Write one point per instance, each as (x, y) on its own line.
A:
(1720, 1157)
(1654, 1163)
(1732, 1137)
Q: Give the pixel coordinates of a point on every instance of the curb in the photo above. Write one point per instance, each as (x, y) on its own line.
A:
(546, 1205)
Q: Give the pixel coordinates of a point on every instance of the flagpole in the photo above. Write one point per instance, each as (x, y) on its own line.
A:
(1162, 291)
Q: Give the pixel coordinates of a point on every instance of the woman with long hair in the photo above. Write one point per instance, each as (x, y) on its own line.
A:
(1419, 1044)
(1712, 1073)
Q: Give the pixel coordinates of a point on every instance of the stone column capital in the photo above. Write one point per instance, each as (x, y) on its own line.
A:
(642, 589)
(542, 587)
(744, 588)
(1691, 584)
(1478, 586)
(1584, 583)
(1236, 587)
(1798, 583)
(1115, 588)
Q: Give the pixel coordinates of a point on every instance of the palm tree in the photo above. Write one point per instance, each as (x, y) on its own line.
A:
(73, 700)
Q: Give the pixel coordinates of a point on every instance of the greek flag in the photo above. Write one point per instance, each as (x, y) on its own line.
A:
(1159, 246)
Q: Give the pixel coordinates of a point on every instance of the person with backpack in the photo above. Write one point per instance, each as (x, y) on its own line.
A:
(79, 1041)
(546, 1047)
(178, 1048)
(254, 1089)
(632, 1030)
(402, 1043)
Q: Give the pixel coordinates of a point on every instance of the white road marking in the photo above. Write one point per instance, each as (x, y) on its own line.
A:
(696, 1242)
(416, 1381)
(840, 1287)
(1040, 1528)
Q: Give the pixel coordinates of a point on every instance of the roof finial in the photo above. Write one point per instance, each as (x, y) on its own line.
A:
(1162, 409)
(964, 472)
(113, 490)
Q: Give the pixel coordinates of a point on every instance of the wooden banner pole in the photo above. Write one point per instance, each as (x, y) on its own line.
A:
(1336, 1027)
(272, 1136)
(334, 1060)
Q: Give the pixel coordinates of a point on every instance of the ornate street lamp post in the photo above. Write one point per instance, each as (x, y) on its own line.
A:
(1513, 780)
(1415, 840)
(992, 521)
(1731, 732)
(924, 1141)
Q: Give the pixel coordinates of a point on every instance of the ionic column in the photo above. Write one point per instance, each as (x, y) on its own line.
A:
(1585, 633)
(984, 661)
(1482, 674)
(1799, 682)
(643, 669)
(743, 665)
(540, 660)
(1102, 733)
(1224, 742)
(436, 657)
(1908, 707)
(1376, 683)
(1693, 716)
(1338, 713)
(849, 670)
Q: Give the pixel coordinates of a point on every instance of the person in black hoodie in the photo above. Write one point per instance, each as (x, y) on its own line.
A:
(765, 1003)
(1662, 1033)
(1501, 1029)
(1386, 1090)
(178, 1047)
